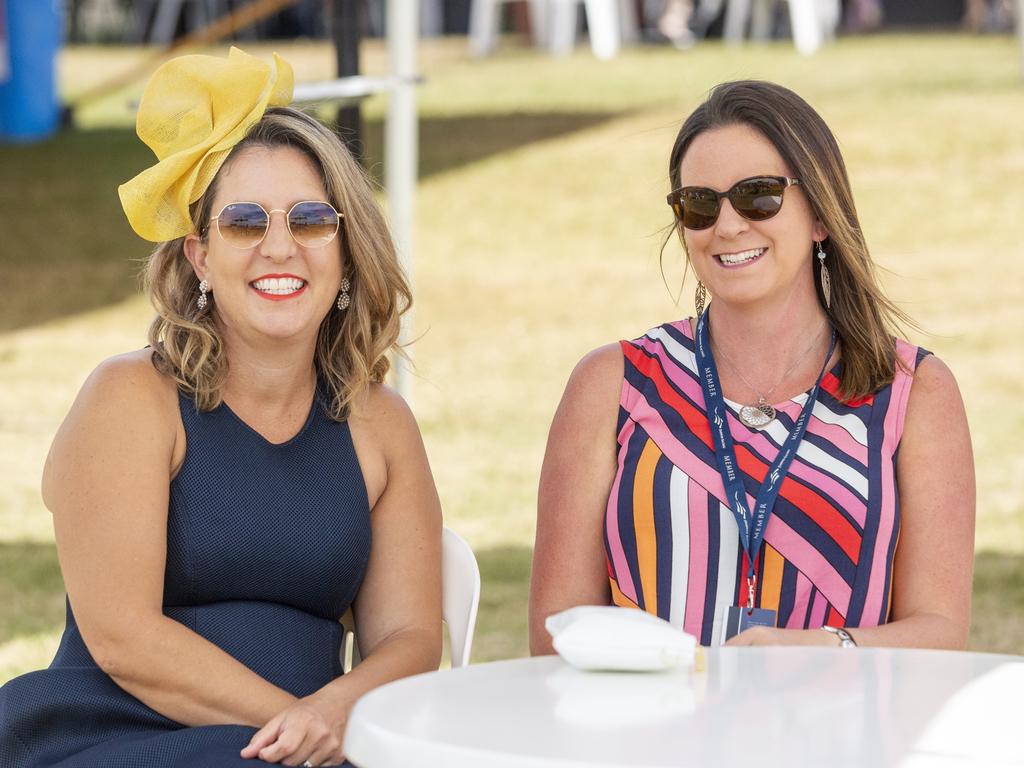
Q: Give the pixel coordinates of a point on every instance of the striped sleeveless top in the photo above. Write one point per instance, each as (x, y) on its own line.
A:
(672, 543)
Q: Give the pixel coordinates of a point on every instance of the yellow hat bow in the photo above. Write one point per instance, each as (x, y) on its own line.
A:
(194, 110)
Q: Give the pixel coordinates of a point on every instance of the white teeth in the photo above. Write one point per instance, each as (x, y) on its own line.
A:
(742, 256)
(279, 286)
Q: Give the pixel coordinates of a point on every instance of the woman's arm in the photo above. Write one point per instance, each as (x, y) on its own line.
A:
(569, 565)
(398, 608)
(934, 562)
(107, 481)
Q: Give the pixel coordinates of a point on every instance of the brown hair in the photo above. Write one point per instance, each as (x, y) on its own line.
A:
(865, 320)
(352, 346)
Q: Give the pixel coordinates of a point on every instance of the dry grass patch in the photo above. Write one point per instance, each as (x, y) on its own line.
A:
(538, 229)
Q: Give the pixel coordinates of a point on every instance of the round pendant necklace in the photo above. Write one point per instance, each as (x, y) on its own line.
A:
(757, 416)
(762, 413)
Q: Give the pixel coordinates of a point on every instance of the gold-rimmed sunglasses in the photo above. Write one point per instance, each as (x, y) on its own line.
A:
(311, 223)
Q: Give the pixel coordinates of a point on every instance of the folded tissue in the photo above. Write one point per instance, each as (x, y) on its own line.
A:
(601, 637)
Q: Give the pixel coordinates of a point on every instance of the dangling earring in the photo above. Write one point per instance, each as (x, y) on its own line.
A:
(204, 286)
(700, 298)
(344, 299)
(826, 279)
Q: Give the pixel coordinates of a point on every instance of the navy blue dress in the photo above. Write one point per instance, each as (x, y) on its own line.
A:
(267, 546)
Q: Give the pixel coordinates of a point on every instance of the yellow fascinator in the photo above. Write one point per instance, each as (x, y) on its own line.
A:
(194, 110)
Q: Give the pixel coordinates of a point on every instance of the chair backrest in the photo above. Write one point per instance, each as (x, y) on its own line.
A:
(460, 594)
(460, 598)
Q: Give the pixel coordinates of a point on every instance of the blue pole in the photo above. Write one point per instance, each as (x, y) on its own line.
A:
(31, 31)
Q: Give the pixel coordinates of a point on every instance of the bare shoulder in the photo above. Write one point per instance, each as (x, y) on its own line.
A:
(935, 408)
(933, 374)
(601, 364)
(597, 378)
(130, 375)
(387, 440)
(384, 431)
(127, 390)
(382, 410)
(934, 387)
(125, 407)
(587, 414)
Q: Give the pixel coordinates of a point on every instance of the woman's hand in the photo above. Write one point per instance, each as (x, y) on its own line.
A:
(308, 731)
(776, 636)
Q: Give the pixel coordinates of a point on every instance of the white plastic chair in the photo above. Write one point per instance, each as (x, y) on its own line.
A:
(431, 18)
(460, 598)
(813, 22)
(609, 22)
(485, 19)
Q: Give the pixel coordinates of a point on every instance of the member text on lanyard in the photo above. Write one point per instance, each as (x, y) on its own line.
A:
(751, 524)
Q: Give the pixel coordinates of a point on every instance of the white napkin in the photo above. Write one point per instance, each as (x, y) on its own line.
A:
(620, 639)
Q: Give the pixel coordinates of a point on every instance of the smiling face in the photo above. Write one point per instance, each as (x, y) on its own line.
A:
(744, 262)
(277, 290)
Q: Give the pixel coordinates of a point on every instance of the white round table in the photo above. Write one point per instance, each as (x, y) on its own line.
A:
(763, 707)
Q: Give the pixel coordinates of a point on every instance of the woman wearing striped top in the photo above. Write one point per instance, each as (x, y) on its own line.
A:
(782, 462)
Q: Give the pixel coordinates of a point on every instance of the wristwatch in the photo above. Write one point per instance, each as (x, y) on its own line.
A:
(845, 638)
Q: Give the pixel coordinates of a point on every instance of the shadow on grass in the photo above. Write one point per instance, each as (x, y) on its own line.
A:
(447, 143)
(68, 248)
(997, 624)
(32, 599)
(501, 626)
(31, 590)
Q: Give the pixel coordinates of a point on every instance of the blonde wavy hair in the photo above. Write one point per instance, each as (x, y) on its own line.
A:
(865, 319)
(353, 346)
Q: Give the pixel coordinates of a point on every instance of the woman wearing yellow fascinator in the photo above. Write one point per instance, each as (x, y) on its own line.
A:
(221, 497)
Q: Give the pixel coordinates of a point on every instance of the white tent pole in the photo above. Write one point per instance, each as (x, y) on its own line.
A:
(400, 152)
(1020, 33)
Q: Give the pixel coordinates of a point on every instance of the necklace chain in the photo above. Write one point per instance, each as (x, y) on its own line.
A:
(764, 398)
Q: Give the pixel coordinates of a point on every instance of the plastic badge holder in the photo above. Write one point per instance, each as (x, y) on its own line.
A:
(595, 637)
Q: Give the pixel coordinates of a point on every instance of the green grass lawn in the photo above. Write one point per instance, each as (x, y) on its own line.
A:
(539, 218)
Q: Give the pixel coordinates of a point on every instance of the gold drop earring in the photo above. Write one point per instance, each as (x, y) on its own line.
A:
(826, 278)
(700, 298)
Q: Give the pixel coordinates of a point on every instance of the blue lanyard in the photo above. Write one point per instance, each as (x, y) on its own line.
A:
(751, 525)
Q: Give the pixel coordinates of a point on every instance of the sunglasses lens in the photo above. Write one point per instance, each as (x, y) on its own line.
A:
(700, 207)
(242, 225)
(757, 199)
(313, 224)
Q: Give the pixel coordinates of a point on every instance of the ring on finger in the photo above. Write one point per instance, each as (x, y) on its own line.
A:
(306, 764)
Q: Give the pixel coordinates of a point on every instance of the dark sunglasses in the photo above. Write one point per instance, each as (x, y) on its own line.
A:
(757, 198)
(312, 223)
